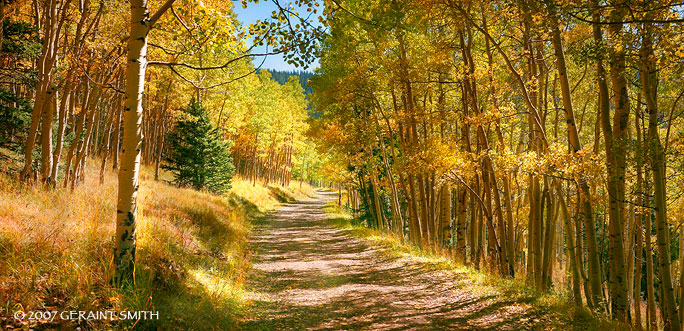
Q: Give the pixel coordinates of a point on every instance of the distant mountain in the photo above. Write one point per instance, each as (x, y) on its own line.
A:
(282, 76)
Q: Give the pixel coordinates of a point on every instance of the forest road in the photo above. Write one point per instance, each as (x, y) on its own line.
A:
(309, 275)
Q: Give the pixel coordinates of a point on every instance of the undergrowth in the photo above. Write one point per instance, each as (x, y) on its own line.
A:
(191, 261)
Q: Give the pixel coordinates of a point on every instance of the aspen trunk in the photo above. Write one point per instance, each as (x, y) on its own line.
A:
(61, 127)
(575, 145)
(508, 246)
(650, 287)
(461, 225)
(107, 141)
(160, 148)
(569, 239)
(472, 232)
(445, 215)
(72, 148)
(46, 136)
(125, 237)
(379, 218)
(44, 86)
(396, 209)
(116, 142)
(629, 255)
(638, 229)
(83, 149)
(603, 112)
(90, 115)
(657, 160)
(550, 231)
(616, 150)
(534, 247)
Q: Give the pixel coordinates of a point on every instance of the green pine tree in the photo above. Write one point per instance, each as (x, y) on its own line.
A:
(20, 45)
(198, 157)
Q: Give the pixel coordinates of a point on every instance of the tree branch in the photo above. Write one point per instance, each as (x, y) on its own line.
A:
(193, 67)
(155, 17)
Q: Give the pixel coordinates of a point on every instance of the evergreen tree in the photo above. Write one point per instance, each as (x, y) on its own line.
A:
(302, 76)
(19, 47)
(198, 157)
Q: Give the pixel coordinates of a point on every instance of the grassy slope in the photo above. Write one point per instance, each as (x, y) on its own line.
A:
(192, 257)
(555, 305)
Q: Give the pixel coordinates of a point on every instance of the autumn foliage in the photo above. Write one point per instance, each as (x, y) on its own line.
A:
(537, 140)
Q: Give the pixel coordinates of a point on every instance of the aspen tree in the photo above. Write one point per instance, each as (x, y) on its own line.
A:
(648, 72)
(576, 146)
(616, 149)
(55, 13)
(639, 227)
(125, 236)
(511, 176)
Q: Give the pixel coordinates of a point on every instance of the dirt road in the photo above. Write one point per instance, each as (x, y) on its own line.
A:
(308, 275)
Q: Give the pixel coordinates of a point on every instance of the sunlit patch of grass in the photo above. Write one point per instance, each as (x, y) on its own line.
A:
(262, 198)
(257, 195)
(339, 217)
(191, 260)
(555, 303)
(217, 285)
(300, 190)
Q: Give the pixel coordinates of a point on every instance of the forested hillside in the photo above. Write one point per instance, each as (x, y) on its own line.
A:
(303, 77)
(449, 164)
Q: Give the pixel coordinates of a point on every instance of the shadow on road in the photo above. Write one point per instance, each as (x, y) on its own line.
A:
(308, 275)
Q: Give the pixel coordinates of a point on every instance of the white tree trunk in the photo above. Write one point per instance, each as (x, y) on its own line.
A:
(125, 238)
(136, 63)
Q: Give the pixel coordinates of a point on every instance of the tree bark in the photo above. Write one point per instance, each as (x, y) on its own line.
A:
(616, 151)
(125, 237)
(648, 72)
(575, 146)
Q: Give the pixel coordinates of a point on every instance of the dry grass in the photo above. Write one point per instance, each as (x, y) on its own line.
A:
(192, 258)
(299, 190)
(260, 196)
(264, 198)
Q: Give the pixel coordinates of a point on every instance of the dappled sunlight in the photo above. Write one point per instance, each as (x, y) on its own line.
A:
(56, 248)
(308, 274)
(218, 287)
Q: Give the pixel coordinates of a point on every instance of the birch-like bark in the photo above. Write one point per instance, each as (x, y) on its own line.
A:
(639, 229)
(116, 142)
(67, 101)
(576, 146)
(648, 74)
(51, 24)
(136, 63)
(108, 139)
(160, 147)
(46, 135)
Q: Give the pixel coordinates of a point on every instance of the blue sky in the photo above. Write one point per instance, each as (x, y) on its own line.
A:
(262, 11)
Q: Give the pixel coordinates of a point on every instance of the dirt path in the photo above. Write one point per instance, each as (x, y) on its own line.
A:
(309, 275)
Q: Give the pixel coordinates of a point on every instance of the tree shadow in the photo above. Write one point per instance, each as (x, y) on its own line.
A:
(281, 195)
(307, 275)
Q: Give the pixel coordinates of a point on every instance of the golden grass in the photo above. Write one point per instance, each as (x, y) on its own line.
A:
(300, 190)
(258, 195)
(264, 198)
(192, 256)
